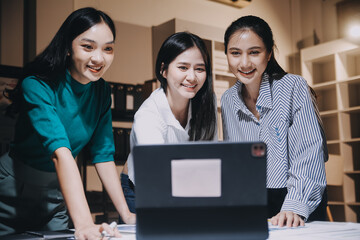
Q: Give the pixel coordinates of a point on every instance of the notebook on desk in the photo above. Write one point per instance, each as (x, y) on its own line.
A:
(201, 190)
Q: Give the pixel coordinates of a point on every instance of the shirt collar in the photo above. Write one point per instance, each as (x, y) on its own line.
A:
(264, 100)
(165, 110)
(77, 87)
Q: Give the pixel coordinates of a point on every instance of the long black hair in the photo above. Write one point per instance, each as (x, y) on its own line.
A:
(54, 60)
(273, 69)
(203, 113)
(263, 30)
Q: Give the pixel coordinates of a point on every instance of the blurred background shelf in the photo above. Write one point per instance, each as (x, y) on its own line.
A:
(333, 70)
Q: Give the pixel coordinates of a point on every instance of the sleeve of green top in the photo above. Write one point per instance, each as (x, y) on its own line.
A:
(38, 102)
(102, 142)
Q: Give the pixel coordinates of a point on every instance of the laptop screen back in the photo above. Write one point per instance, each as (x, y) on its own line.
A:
(201, 190)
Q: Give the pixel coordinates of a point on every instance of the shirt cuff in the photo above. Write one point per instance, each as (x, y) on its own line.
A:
(58, 144)
(300, 208)
(103, 158)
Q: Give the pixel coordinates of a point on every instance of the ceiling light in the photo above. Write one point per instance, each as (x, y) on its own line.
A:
(354, 31)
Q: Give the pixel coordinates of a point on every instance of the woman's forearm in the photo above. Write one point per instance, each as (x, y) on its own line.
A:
(71, 187)
(111, 180)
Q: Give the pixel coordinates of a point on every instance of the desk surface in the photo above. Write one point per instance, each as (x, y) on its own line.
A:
(311, 231)
(317, 231)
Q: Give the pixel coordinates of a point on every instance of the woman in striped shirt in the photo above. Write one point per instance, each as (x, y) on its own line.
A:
(182, 109)
(267, 104)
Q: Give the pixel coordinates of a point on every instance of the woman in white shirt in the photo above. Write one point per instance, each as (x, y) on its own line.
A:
(182, 109)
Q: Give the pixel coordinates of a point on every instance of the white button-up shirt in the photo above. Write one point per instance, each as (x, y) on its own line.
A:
(154, 123)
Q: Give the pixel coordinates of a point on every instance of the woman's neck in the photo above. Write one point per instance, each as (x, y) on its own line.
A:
(180, 109)
(250, 94)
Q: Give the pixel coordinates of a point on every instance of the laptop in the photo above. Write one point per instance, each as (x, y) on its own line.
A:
(201, 190)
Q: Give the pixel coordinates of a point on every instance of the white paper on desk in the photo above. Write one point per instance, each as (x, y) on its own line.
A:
(125, 237)
(127, 228)
(319, 231)
(196, 178)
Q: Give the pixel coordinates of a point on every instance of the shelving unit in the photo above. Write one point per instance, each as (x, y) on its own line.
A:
(333, 70)
(222, 77)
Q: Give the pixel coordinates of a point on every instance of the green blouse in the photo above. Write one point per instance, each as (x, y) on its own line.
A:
(70, 115)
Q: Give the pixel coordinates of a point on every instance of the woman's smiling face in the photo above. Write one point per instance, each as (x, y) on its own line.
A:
(247, 56)
(185, 75)
(92, 53)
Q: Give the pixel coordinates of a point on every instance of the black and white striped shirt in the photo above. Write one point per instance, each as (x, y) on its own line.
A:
(289, 126)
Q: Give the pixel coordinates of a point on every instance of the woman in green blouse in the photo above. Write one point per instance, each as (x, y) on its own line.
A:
(63, 105)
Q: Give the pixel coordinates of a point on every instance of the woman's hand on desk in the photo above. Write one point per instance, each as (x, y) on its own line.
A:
(88, 232)
(130, 218)
(288, 219)
(94, 232)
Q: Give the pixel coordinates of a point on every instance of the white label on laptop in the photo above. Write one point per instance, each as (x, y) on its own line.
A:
(196, 178)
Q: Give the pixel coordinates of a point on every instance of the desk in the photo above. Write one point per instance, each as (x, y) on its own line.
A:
(311, 231)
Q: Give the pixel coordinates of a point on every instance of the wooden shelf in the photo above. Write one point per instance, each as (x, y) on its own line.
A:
(335, 203)
(353, 204)
(354, 79)
(325, 85)
(351, 140)
(351, 109)
(352, 172)
(329, 113)
(333, 141)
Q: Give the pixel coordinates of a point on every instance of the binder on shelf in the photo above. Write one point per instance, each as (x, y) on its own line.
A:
(138, 96)
(120, 145)
(127, 141)
(129, 97)
(120, 97)
(150, 86)
(117, 152)
(112, 86)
